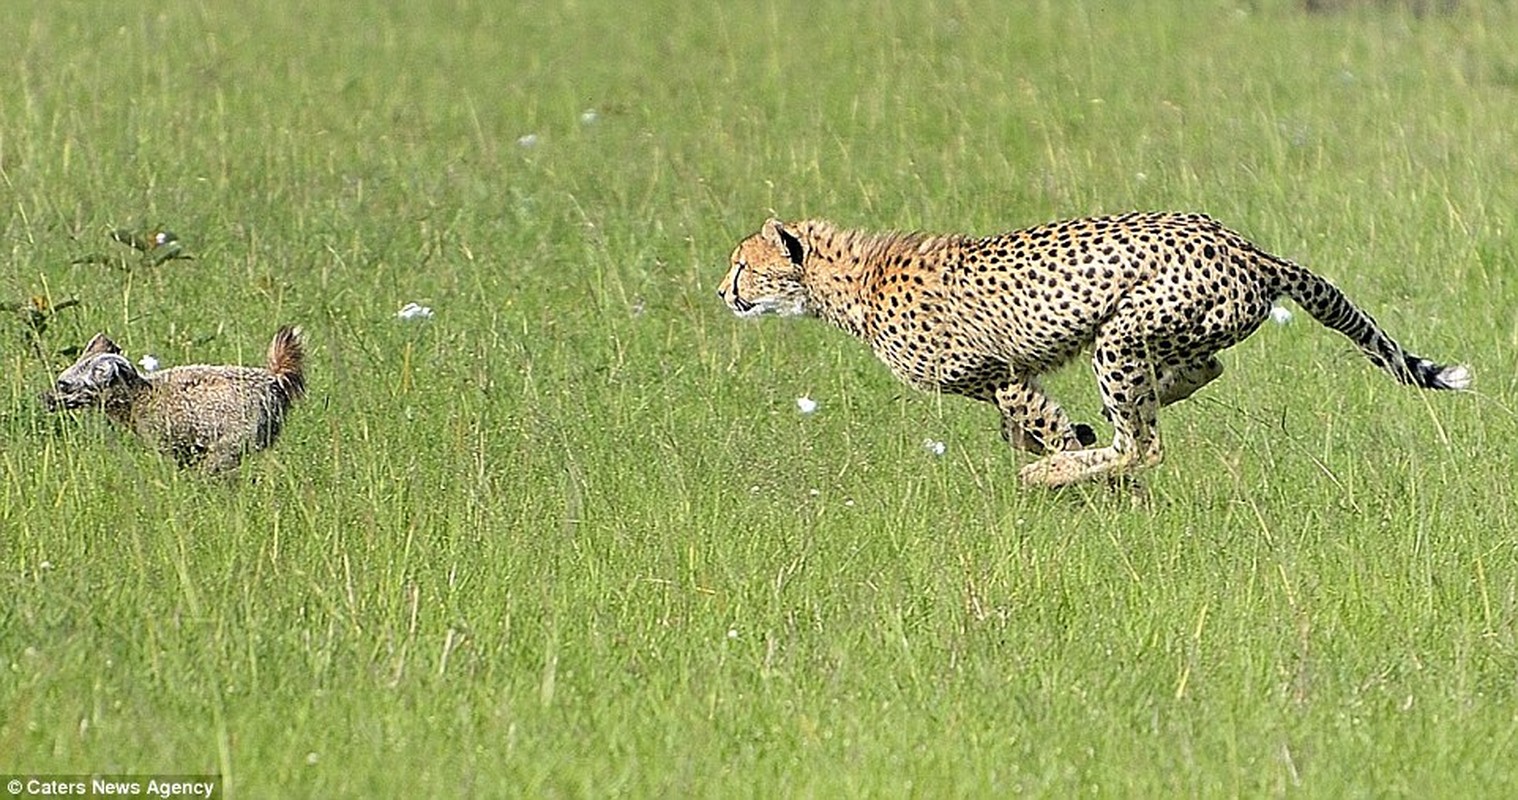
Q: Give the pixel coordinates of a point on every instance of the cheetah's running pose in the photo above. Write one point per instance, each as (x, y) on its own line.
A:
(1154, 296)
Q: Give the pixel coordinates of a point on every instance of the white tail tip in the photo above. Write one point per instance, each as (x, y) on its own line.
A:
(1455, 377)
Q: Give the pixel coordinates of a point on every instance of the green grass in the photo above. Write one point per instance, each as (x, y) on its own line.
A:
(571, 537)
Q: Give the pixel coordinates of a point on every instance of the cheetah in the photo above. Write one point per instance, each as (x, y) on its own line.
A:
(1153, 296)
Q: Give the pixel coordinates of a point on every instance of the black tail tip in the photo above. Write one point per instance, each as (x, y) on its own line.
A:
(1429, 375)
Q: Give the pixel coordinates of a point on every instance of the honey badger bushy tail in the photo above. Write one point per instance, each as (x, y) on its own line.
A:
(1329, 306)
(287, 361)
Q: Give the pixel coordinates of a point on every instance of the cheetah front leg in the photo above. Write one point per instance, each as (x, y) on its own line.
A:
(1127, 386)
(1033, 422)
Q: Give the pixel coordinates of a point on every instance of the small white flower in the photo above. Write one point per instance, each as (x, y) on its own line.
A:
(45, 565)
(1141, 176)
(806, 405)
(1280, 315)
(933, 447)
(148, 363)
(814, 492)
(527, 140)
(589, 116)
(414, 311)
(312, 758)
(732, 633)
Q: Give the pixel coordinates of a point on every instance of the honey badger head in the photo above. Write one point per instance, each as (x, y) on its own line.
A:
(101, 378)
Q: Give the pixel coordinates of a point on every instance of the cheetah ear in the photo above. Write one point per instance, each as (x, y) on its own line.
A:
(776, 234)
(100, 344)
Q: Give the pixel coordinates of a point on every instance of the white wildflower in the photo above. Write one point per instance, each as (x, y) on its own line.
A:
(414, 311)
(934, 447)
(589, 116)
(732, 633)
(148, 363)
(1280, 315)
(527, 140)
(806, 405)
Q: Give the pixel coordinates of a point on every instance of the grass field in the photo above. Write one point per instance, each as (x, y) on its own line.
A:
(570, 536)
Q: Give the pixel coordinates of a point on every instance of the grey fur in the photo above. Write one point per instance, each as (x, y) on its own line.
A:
(204, 416)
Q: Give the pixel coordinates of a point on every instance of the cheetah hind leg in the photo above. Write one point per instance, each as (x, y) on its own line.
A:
(1129, 393)
(1176, 383)
(1117, 463)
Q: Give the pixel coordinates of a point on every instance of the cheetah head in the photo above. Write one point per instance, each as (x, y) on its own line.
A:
(766, 274)
(101, 377)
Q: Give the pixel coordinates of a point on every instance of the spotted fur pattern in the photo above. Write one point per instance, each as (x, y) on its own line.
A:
(1152, 296)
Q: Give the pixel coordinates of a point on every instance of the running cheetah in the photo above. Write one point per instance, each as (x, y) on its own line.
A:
(1154, 296)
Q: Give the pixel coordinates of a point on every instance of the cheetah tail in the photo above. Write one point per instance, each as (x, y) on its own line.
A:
(287, 361)
(1329, 306)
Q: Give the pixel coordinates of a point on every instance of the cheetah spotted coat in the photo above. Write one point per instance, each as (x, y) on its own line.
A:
(1153, 297)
